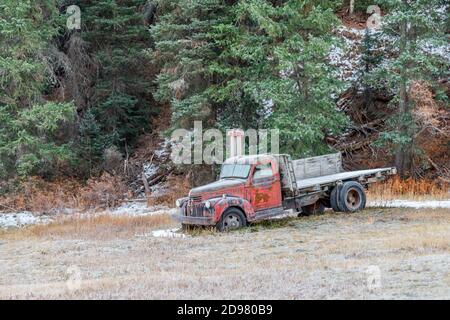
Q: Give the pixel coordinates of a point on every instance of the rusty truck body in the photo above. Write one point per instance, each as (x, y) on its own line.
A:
(257, 187)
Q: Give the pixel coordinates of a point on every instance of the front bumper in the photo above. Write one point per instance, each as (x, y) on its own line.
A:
(195, 215)
(204, 221)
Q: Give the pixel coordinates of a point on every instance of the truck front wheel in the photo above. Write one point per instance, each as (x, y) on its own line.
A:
(352, 197)
(232, 219)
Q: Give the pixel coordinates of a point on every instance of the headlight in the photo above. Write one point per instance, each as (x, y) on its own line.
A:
(178, 203)
(207, 204)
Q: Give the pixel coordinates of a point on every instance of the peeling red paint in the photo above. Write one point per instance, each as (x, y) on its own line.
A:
(248, 195)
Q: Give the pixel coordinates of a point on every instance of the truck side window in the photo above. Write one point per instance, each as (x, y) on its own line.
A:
(263, 171)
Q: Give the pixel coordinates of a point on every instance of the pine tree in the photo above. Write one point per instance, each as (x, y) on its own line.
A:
(252, 64)
(118, 38)
(91, 144)
(411, 26)
(275, 62)
(31, 140)
(370, 59)
(186, 52)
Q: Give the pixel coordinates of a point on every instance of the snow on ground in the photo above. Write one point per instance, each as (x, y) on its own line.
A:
(169, 233)
(164, 148)
(21, 219)
(139, 209)
(159, 189)
(134, 209)
(150, 170)
(348, 56)
(442, 50)
(410, 204)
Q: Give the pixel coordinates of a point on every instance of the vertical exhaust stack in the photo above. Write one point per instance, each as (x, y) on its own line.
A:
(236, 142)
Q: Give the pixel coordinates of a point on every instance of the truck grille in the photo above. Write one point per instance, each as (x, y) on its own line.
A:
(195, 210)
(195, 199)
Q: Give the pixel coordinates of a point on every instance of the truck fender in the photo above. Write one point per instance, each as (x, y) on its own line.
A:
(224, 203)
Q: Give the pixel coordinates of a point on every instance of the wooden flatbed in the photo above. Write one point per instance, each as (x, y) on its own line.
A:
(342, 176)
(302, 176)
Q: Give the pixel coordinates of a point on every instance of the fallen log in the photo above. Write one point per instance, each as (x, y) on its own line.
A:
(146, 185)
(355, 145)
(160, 177)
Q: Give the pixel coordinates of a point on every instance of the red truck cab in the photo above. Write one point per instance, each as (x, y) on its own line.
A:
(249, 189)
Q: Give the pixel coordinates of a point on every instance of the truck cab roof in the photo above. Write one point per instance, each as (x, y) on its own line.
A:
(251, 159)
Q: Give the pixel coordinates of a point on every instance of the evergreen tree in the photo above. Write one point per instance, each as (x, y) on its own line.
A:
(186, 52)
(282, 70)
(412, 26)
(91, 144)
(31, 140)
(253, 64)
(370, 59)
(118, 38)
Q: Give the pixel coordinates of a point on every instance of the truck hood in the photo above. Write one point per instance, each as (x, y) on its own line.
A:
(222, 184)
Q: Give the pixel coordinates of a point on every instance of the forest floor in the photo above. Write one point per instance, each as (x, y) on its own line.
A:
(387, 253)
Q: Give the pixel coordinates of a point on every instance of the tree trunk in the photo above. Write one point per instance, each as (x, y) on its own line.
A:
(400, 152)
(403, 152)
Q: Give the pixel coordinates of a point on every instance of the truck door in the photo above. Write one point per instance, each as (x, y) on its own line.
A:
(265, 189)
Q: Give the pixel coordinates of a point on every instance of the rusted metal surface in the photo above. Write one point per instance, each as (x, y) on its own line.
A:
(224, 184)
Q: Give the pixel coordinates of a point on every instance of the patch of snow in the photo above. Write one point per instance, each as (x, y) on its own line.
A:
(432, 204)
(21, 219)
(267, 108)
(169, 233)
(150, 170)
(163, 148)
(442, 50)
(134, 209)
(159, 189)
(347, 57)
(139, 209)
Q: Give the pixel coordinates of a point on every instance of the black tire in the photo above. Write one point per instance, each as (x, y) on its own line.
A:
(232, 219)
(352, 197)
(315, 208)
(334, 199)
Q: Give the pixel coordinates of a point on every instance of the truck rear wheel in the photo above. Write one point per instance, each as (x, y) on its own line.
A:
(232, 219)
(334, 199)
(352, 197)
(315, 208)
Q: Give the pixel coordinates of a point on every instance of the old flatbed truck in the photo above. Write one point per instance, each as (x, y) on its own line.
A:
(258, 187)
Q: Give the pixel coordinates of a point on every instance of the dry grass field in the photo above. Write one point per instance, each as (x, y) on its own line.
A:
(378, 253)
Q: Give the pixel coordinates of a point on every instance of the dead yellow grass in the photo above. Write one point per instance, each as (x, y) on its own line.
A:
(422, 238)
(410, 189)
(96, 227)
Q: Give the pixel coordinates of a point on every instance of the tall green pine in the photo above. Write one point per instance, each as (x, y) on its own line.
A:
(118, 39)
(412, 26)
(31, 128)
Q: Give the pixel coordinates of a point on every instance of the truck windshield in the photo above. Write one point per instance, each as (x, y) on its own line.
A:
(235, 171)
